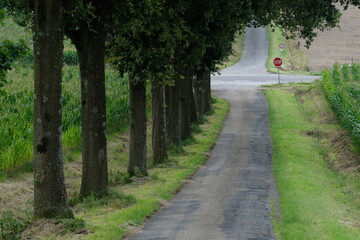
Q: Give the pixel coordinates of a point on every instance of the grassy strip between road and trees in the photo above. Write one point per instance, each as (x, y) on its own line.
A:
(131, 200)
(237, 50)
(316, 167)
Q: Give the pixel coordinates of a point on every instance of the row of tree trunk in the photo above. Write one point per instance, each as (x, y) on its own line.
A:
(50, 198)
(174, 109)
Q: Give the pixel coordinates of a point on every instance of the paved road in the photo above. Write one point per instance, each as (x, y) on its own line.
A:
(229, 198)
(251, 70)
(254, 54)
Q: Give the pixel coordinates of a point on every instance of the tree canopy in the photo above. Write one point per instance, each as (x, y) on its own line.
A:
(163, 42)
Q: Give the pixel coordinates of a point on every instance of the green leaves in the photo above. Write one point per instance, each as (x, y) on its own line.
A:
(9, 52)
(83, 12)
(144, 36)
(342, 89)
(303, 18)
(2, 15)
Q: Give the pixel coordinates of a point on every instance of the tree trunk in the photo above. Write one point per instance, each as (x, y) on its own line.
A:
(167, 113)
(183, 73)
(158, 120)
(199, 91)
(137, 155)
(173, 117)
(207, 91)
(50, 198)
(90, 45)
(193, 116)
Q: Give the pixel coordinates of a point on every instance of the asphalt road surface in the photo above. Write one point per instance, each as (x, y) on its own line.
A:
(231, 196)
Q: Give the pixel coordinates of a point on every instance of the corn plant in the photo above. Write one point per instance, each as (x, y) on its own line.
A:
(342, 90)
(16, 107)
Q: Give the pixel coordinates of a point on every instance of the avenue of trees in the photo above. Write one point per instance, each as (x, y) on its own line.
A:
(169, 46)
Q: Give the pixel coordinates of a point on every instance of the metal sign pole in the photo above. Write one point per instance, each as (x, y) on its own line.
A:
(278, 74)
(278, 62)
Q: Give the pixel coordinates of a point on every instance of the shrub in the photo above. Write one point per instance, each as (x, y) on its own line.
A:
(71, 58)
(9, 52)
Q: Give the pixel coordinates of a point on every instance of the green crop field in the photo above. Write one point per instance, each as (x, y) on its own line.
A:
(16, 104)
(16, 107)
(342, 88)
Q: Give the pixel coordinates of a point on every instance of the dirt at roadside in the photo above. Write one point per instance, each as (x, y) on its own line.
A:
(340, 45)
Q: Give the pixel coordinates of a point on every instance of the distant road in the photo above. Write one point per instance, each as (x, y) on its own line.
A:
(230, 196)
(254, 55)
(251, 70)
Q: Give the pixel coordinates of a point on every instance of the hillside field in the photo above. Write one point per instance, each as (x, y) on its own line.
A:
(339, 45)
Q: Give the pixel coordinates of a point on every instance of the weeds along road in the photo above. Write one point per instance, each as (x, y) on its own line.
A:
(230, 196)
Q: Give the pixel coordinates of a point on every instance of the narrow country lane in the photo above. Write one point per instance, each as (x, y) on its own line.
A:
(230, 196)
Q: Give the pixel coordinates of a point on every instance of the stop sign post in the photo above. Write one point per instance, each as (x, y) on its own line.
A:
(278, 62)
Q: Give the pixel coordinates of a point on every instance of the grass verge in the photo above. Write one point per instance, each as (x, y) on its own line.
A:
(164, 181)
(132, 201)
(238, 47)
(294, 61)
(317, 199)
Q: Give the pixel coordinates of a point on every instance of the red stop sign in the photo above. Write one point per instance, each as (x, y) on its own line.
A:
(277, 61)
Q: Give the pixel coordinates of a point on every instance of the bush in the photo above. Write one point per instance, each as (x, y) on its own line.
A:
(9, 52)
(2, 15)
(71, 58)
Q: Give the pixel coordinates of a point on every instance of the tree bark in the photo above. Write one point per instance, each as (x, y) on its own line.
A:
(183, 73)
(50, 199)
(137, 155)
(199, 91)
(173, 109)
(207, 92)
(193, 116)
(90, 45)
(159, 145)
(167, 114)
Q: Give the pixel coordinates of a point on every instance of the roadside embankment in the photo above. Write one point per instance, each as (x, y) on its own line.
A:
(316, 166)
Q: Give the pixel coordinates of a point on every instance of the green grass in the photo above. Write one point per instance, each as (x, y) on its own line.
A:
(238, 46)
(166, 182)
(274, 40)
(13, 32)
(294, 61)
(315, 201)
(132, 202)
